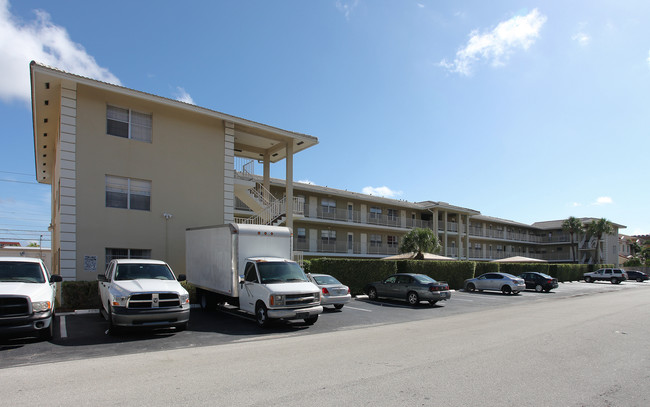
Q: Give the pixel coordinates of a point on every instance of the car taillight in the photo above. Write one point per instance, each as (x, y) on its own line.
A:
(549, 281)
(348, 290)
(325, 292)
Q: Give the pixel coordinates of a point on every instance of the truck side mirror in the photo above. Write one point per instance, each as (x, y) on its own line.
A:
(55, 278)
(181, 277)
(102, 278)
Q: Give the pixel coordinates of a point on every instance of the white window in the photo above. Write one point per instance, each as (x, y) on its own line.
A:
(113, 253)
(391, 241)
(375, 240)
(328, 236)
(128, 124)
(392, 214)
(328, 205)
(302, 234)
(375, 212)
(128, 193)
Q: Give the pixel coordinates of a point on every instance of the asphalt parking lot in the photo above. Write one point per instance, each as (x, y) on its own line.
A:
(82, 334)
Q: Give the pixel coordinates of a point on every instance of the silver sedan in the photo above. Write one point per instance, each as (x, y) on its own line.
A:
(504, 282)
(333, 292)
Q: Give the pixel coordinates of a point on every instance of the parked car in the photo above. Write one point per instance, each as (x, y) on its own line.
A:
(410, 287)
(504, 282)
(333, 292)
(142, 293)
(27, 293)
(614, 276)
(639, 276)
(539, 281)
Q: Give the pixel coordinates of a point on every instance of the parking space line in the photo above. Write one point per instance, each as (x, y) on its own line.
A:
(63, 327)
(358, 309)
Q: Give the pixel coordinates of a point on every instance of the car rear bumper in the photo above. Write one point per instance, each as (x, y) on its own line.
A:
(150, 317)
(335, 299)
(295, 313)
(435, 295)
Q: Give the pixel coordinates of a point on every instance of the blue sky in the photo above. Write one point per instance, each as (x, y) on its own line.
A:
(528, 111)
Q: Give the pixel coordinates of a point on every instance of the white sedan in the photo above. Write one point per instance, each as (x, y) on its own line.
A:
(333, 292)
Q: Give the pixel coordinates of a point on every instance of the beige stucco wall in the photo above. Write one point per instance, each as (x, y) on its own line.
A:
(184, 162)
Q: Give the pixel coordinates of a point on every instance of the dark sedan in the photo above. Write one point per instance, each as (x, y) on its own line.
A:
(639, 276)
(539, 281)
(410, 287)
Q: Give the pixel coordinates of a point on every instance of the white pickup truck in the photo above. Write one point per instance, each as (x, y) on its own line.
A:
(27, 293)
(142, 293)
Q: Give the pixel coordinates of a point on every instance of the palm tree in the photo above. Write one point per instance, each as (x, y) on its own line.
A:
(420, 241)
(573, 226)
(599, 228)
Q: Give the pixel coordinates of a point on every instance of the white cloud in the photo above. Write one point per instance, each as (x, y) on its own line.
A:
(381, 191)
(42, 41)
(582, 38)
(603, 200)
(421, 5)
(496, 46)
(346, 7)
(306, 181)
(182, 96)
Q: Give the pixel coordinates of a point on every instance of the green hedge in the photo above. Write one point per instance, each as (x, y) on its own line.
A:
(79, 295)
(453, 272)
(483, 267)
(354, 273)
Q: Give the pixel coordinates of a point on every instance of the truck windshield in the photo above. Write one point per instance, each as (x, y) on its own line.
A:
(21, 272)
(280, 272)
(143, 271)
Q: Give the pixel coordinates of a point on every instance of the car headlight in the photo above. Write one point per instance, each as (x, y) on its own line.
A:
(120, 301)
(185, 299)
(41, 306)
(317, 296)
(277, 300)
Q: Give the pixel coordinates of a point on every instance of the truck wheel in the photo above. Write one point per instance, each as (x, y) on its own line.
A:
(262, 316)
(338, 306)
(48, 333)
(112, 328)
(181, 327)
(614, 280)
(311, 320)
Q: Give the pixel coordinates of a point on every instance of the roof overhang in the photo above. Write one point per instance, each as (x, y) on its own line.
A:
(252, 140)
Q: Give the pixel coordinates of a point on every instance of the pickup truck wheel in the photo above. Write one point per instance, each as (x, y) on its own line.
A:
(412, 298)
(261, 316)
(48, 333)
(539, 288)
(311, 320)
(614, 280)
(112, 328)
(372, 293)
(506, 290)
(181, 327)
(338, 306)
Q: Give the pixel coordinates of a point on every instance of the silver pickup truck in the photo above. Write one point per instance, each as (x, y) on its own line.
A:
(142, 293)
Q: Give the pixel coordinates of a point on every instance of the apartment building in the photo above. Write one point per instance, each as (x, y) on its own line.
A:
(130, 172)
(330, 222)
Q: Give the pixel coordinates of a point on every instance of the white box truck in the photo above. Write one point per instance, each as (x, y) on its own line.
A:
(249, 266)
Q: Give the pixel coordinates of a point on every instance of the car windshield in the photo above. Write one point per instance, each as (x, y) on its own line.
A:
(325, 280)
(143, 272)
(281, 272)
(21, 272)
(421, 278)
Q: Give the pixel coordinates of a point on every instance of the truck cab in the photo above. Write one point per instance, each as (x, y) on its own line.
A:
(276, 288)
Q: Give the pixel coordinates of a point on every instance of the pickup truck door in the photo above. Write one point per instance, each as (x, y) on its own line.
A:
(103, 285)
(248, 290)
